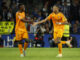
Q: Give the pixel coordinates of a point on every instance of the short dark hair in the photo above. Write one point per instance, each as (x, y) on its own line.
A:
(20, 5)
(58, 7)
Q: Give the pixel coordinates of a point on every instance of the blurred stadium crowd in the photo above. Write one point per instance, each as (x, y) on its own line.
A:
(39, 9)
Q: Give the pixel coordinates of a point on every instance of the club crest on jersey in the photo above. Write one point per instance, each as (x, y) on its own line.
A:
(58, 16)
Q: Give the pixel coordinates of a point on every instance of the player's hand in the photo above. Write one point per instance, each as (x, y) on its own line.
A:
(35, 23)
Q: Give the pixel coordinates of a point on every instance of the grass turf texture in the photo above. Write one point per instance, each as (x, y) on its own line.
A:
(40, 54)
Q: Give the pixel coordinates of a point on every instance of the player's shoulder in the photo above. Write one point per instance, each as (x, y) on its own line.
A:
(51, 14)
(61, 13)
(17, 12)
(20, 12)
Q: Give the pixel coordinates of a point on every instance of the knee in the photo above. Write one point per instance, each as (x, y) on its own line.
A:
(27, 40)
(56, 41)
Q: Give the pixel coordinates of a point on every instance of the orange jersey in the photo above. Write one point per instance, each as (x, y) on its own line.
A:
(20, 25)
(58, 29)
(57, 18)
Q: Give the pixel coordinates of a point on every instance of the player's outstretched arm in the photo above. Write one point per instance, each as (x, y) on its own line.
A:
(36, 23)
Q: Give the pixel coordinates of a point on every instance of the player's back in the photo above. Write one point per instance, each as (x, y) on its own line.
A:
(20, 25)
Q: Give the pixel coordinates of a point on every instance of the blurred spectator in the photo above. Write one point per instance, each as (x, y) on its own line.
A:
(74, 10)
(50, 4)
(45, 7)
(40, 15)
(42, 27)
(27, 16)
(35, 13)
(45, 10)
(75, 28)
(38, 31)
(27, 24)
(78, 25)
(74, 42)
(4, 4)
(33, 28)
(66, 10)
(59, 3)
(14, 8)
(35, 19)
(4, 14)
(9, 14)
(47, 28)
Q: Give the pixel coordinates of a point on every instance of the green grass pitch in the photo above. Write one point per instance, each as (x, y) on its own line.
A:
(40, 54)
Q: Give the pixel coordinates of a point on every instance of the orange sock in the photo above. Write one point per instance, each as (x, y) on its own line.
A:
(20, 48)
(60, 48)
(63, 42)
(25, 45)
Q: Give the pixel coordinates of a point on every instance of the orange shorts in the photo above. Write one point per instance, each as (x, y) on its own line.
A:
(21, 35)
(58, 33)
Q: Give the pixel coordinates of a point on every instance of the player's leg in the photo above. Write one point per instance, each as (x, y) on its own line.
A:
(64, 42)
(67, 42)
(19, 39)
(25, 37)
(20, 48)
(59, 46)
(57, 39)
(25, 44)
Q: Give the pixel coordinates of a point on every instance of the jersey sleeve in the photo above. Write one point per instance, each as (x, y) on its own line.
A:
(63, 18)
(18, 16)
(50, 17)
